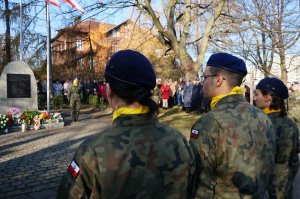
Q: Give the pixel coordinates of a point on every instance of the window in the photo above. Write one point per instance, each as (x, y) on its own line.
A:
(114, 47)
(158, 52)
(65, 44)
(127, 34)
(127, 31)
(115, 33)
(62, 46)
(80, 63)
(79, 44)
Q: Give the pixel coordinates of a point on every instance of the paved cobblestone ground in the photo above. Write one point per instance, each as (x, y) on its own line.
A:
(32, 163)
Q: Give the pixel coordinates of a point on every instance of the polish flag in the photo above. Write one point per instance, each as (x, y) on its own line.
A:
(194, 133)
(73, 169)
(54, 2)
(74, 4)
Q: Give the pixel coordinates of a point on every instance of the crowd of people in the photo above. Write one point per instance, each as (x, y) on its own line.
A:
(235, 150)
(168, 93)
(60, 88)
(74, 92)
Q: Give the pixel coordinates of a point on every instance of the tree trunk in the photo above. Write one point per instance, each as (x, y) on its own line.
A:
(283, 65)
(92, 54)
(7, 34)
(280, 45)
(204, 41)
(188, 66)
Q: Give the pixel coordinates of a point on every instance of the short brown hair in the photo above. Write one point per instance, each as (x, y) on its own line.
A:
(234, 79)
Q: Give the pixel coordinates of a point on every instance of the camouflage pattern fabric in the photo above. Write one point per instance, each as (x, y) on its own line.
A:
(137, 158)
(75, 100)
(236, 145)
(286, 159)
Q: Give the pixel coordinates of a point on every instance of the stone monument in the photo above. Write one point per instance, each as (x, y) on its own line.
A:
(18, 87)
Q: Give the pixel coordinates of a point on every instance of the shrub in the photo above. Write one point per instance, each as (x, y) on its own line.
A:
(94, 101)
(102, 104)
(42, 101)
(57, 102)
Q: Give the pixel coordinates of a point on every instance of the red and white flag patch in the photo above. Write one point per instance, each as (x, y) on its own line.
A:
(194, 133)
(73, 169)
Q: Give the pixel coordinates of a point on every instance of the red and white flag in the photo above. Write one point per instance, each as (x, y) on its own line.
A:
(74, 4)
(194, 133)
(54, 2)
(73, 169)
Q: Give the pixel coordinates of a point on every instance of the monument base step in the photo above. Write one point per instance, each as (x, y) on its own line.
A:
(31, 127)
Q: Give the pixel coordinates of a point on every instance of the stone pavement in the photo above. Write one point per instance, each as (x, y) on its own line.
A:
(32, 163)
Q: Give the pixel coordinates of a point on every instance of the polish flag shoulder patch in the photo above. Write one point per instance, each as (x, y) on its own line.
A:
(194, 133)
(73, 169)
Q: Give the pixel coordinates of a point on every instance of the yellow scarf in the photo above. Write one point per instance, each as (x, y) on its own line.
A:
(216, 99)
(75, 84)
(268, 110)
(130, 111)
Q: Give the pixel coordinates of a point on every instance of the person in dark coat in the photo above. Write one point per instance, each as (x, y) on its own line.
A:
(195, 95)
(187, 96)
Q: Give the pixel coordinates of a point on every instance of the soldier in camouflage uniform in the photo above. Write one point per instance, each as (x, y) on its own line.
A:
(235, 141)
(74, 95)
(138, 157)
(270, 96)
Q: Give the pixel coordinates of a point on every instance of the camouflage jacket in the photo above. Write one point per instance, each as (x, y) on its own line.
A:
(137, 158)
(74, 93)
(236, 145)
(286, 159)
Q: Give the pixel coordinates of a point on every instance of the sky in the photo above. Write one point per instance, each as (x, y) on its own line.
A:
(59, 20)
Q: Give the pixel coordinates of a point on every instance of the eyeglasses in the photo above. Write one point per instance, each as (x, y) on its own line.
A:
(204, 77)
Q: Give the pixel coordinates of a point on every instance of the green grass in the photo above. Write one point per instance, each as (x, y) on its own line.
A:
(178, 119)
(182, 121)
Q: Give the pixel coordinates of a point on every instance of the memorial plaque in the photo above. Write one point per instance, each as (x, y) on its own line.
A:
(18, 86)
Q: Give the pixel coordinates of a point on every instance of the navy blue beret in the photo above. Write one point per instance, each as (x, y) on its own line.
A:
(228, 62)
(274, 86)
(131, 67)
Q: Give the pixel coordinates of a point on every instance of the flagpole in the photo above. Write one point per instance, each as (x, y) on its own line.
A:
(48, 57)
(21, 32)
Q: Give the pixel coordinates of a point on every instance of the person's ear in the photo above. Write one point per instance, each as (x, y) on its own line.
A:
(219, 80)
(268, 99)
(108, 90)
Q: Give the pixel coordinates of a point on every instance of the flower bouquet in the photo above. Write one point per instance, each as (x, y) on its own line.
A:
(44, 117)
(13, 111)
(28, 116)
(29, 120)
(3, 122)
(56, 117)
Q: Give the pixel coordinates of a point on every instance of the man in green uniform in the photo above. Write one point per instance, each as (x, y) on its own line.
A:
(138, 157)
(235, 141)
(270, 96)
(74, 93)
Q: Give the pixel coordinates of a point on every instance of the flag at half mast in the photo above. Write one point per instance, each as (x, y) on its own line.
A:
(54, 2)
(74, 4)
